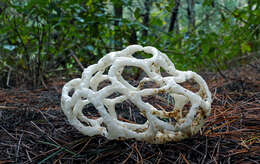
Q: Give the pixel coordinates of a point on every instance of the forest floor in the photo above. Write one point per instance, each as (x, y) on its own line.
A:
(33, 129)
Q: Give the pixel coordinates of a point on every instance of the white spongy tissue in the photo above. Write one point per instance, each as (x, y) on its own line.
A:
(158, 127)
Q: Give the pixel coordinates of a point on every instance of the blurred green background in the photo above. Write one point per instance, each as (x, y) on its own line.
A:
(39, 38)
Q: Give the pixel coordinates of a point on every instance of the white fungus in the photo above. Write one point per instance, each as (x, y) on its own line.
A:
(82, 92)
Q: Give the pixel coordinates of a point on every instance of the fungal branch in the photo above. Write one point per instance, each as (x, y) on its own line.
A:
(91, 102)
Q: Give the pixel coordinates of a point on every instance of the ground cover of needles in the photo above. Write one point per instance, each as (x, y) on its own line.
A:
(33, 129)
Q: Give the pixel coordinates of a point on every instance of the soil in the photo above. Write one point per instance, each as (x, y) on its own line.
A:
(33, 129)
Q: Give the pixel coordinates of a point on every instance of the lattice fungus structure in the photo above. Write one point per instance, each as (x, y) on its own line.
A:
(161, 106)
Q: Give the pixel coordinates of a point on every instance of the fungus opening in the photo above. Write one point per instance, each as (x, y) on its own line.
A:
(71, 92)
(103, 84)
(164, 73)
(148, 84)
(191, 85)
(133, 75)
(114, 95)
(142, 55)
(129, 112)
(90, 111)
(162, 101)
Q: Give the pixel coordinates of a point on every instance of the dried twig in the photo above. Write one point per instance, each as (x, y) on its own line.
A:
(77, 60)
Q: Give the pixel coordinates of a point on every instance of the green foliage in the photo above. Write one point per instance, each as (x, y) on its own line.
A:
(37, 37)
(40, 34)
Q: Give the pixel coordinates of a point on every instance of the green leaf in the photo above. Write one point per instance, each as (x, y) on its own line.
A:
(245, 47)
(168, 8)
(137, 13)
(207, 2)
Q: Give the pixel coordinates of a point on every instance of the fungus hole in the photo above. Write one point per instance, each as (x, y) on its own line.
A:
(164, 73)
(200, 115)
(106, 70)
(84, 98)
(165, 102)
(186, 109)
(103, 125)
(128, 112)
(133, 75)
(94, 73)
(161, 101)
(142, 55)
(170, 120)
(114, 95)
(71, 92)
(148, 84)
(191, 85)
(84, 122)
(103, 84)
(90, 111)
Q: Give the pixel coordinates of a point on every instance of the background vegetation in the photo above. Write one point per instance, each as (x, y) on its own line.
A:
(39, 38)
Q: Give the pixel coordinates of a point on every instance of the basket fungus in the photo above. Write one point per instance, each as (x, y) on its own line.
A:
(90, 102)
